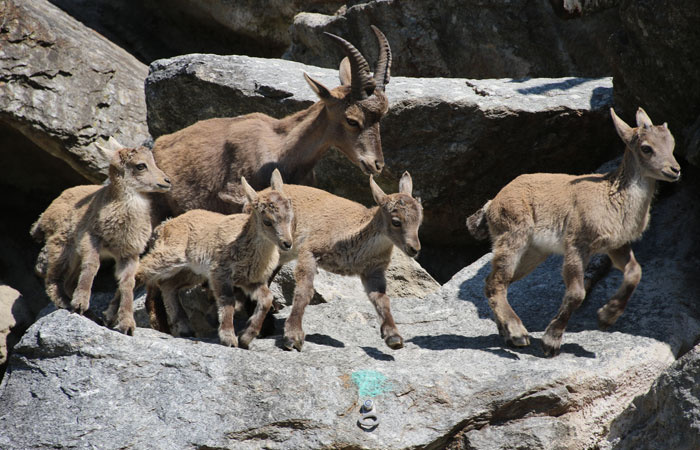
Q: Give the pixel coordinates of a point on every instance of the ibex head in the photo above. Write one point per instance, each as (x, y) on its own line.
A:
(274, 210)
(135, 167)
(402, 213)
(652, 146)
(356, 107)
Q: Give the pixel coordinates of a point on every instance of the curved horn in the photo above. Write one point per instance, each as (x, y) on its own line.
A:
(383, 68)
(362, 83)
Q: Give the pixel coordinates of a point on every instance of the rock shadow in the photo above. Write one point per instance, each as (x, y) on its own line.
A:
(322, 339)
(377, 354)
(493, 344)
(535, 299)
(600, 98)
(319, 339)
(546, 87)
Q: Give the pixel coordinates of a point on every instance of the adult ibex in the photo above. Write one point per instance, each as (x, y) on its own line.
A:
(207, 159)
(539, 214)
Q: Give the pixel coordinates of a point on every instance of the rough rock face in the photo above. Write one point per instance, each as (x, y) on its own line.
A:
(149, 31)
(461, 140)
(63, 86)
(462, 38)
(454, 384)
(668, 416)
(656, 64)
(15, 317)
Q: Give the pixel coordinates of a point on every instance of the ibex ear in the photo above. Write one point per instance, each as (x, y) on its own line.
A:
(643, 119)
(110, 149)
(344, 72)
(406, 183)
(377, 193)
(276, 181)
(317, 87)
(623, 130)
(250, 193)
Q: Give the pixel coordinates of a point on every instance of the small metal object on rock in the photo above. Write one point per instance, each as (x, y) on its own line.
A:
(369, 420)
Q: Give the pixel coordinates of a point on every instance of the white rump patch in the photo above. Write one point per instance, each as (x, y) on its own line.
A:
(549, 241)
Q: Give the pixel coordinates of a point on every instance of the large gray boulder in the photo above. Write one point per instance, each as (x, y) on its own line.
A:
(668, 416)
(462, 38)
(461, 140)
(64, 87)
(454, 384)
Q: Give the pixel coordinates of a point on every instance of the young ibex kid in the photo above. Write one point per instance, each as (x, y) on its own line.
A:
(539, 214)
(207, 159)
(86, 223)
(238, 250)
(346, 238)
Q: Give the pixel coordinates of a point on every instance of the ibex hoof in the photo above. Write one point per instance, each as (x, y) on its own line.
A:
(245, 339)
(551, 346)
(603, 325)
(228, 338)
(187, 333)
(292, 344)
(395, 342)
(518, 341)
(277, 306)
(79, 307)
(607, 317)
(126, 327)
(109, 316)
(514, 333)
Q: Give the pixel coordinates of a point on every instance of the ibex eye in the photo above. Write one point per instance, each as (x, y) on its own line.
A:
(267, 222)
(395, 222)
(140, 167)
(353, 123)
(647, 150)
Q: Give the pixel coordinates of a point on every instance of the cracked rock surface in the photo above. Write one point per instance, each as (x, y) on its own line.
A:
(64, 86)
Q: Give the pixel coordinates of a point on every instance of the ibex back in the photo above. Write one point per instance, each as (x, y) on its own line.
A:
(207, 160)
